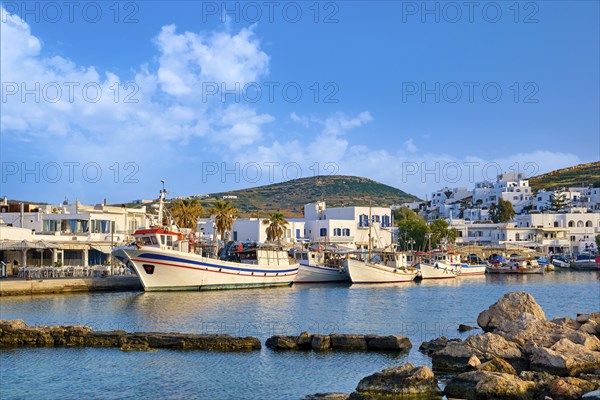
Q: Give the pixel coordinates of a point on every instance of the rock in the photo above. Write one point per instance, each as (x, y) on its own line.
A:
(568, 388)
(507, 309)
(304, 341)
(591, 327)
(348, 342)
(565, 358)
(282, 342)
(594, 379)
(320, 342)
(17, 334)
(455, 356)
(595, 395)
(497, 365)
(465, 328)
(388, 343)
(327, 396)
(489, 385)
(529, 332)
(473, 362)
(583, 318)
(436, 344)
(393, 382)
(568, 322)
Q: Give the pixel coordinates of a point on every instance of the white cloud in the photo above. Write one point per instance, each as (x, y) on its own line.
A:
(164, 104)
(410, 146)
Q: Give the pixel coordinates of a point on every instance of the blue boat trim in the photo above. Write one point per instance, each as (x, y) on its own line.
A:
(204, 264)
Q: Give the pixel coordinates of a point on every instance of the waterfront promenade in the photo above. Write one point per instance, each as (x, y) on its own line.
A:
(16, 286)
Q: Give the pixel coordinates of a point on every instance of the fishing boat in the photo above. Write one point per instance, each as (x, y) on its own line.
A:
(586, 262)
(320, 266)
(561, 262)
(473, 265)
(382, 267)
(379, 266)
(163, 259)
(515, 265)
(439, 265)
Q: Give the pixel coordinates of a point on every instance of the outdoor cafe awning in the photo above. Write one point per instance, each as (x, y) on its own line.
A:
(26, 245)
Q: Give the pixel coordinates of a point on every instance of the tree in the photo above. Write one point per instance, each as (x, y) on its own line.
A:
(276, 224)
(441, 233)
(224, 213)
(598, 243)
(411, 228)
(503, 212)
(186, 212)
(558, 202)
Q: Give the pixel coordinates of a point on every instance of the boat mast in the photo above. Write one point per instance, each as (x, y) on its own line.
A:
(370, 226)
(161, 203)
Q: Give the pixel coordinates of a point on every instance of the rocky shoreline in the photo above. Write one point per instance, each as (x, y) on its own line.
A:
(343, 342)
(16, 333)
(520, 355)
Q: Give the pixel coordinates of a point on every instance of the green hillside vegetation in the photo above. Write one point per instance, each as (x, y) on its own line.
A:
(579, 175)
(290, 197)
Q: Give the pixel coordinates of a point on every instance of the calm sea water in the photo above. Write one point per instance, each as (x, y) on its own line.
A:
(421, 311)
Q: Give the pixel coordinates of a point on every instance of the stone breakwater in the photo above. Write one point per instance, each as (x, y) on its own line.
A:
(344, 342)
(520, 355)
(16, 333)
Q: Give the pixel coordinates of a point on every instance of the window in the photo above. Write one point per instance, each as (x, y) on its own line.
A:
(323, 232)
(517, 237)
(169, 240)
(580, 224)
(460, 234)
(571, 224)
(556, 224)
(297, 233)
(346, 232)
(153, 240)
(588, 224)
(337, 232)
(235, 235)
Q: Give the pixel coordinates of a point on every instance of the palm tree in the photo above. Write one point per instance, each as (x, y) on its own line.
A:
(224, 213)
(276, 223)
(186, 212)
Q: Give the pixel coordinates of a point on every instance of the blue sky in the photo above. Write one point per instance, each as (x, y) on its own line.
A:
(415, 95)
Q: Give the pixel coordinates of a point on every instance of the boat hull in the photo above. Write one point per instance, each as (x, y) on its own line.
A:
(468, 270)
(515, 271)
(167, 270)
(318, 274)
(438, 270)
(362, 272)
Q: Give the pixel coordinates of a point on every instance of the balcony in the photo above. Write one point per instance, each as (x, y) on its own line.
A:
(335, 239)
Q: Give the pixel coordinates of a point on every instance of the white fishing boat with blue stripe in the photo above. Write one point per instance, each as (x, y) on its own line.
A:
(164, 259)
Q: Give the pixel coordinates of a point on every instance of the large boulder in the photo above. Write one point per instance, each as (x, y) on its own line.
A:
(489, 385)
(565, 358)
(348, 342)
(434, 345)
(455, 356)
(320, 342)
(388, 343)
(392, 382)
(497, 365)
(282, 342)
(568, 388)
(529, 332)
(507, 309)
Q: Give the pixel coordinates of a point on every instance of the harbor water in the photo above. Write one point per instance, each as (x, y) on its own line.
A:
(421, 311)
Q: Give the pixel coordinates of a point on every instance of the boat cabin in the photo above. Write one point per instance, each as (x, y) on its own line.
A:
(161, 238)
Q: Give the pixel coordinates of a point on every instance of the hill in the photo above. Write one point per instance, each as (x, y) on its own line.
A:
(291, 196)
(578, 175)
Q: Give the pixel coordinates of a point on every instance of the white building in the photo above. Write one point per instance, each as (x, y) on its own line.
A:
(347, 226)
(509, 186)
(73, 234)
